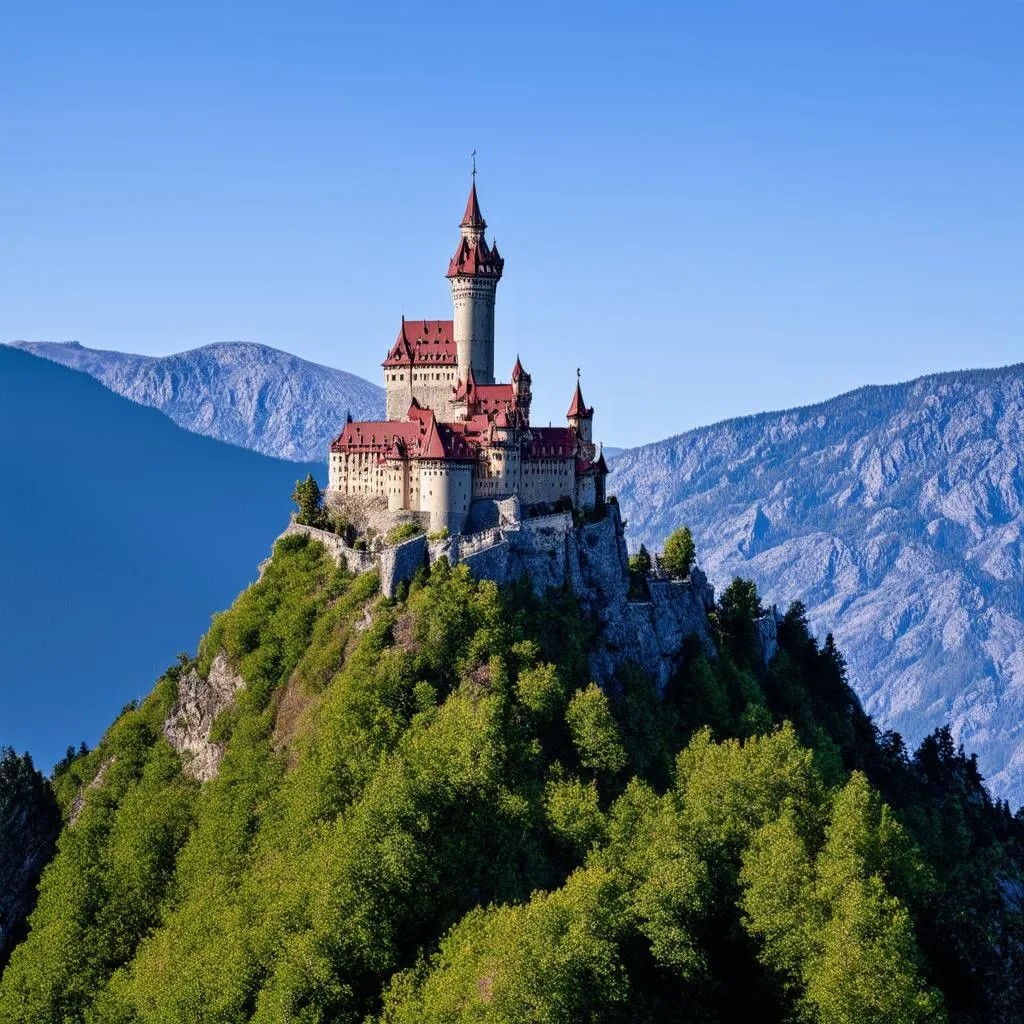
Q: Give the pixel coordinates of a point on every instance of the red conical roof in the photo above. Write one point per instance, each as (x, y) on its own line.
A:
(473, 218)
(517, 371)
(578, 408)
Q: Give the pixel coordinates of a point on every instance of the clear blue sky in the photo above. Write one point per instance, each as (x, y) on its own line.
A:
(713, 207)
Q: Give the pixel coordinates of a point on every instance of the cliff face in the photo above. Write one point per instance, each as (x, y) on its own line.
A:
(192, 716)
(554, 552)
(896, 514)
(29, 823)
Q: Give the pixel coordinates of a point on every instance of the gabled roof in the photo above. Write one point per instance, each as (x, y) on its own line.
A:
(473, 218)
(467, 388)
(425, 343)
(578, 407)
(441, 442)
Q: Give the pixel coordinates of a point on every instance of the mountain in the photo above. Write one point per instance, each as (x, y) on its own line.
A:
(896, 514)
(419, 810)
(119, 534)
(248, 395)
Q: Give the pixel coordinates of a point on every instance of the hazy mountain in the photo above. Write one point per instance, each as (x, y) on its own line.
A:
(120, 533)
(248, 395)
(897, 515)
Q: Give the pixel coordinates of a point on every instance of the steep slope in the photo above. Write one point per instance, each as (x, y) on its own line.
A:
(249, 395)
(119, 533)
(423, 813)
(896, 514)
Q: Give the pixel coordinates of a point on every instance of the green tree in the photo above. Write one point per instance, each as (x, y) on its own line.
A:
(640, 563)
(679, 552)
(595, 732)
(310, 500)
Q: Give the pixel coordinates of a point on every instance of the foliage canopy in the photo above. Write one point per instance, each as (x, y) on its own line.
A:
(426, 811)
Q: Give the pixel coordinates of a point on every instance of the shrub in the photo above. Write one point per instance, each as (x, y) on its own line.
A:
(405, 531)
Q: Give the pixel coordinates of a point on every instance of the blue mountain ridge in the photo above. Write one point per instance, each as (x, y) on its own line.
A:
(896, 514)
(120, 533)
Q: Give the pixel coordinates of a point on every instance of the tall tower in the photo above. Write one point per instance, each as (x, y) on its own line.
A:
(474, 273)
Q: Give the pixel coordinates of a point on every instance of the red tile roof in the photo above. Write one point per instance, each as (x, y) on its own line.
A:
(473, 218)
(578, 408)
(518, 372)
(443, 443)
(475, 260)
(424, 342)
(374, 435)
(422, 437)
(551, 443)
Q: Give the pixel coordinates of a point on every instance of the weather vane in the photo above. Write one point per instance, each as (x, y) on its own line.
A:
(474, 165)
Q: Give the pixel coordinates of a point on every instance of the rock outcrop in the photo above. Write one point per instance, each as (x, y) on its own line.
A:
(896, 515)
(188, 724)
(554, 551)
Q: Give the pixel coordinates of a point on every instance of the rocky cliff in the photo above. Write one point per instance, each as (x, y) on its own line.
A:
(29, 823)
(896, 514)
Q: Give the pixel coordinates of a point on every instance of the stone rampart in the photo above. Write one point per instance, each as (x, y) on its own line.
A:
(357, 561)
(400, 563)
(554, 551)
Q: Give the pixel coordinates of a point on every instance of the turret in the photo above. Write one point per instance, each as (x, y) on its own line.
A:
(579, 417)
(521, 390)
(474, 273)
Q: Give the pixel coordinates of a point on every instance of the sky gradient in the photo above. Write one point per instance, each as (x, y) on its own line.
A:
(713, 208)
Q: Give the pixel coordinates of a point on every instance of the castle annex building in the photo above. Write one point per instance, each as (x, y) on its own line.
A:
(452, 434)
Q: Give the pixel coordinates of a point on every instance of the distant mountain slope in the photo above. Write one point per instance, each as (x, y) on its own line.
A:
(119, 534)
(249, 395)
(897, 515)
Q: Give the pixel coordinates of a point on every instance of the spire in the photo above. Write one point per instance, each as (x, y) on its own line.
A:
(473, 218)
(517, 371)
(578, 409)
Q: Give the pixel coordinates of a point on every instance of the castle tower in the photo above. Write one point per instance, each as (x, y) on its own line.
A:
(581, 419)
(521, 389)
(474, 273)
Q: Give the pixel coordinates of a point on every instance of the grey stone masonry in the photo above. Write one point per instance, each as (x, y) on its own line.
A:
(554, 551)
(358, 562)
(399, 564)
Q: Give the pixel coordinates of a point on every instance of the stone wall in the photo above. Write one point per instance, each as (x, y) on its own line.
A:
(554, 552)
(357, 561)
(400, 563)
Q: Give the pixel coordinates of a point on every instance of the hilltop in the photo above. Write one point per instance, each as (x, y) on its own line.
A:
(896, 515)
(353, 808)
(246, 394)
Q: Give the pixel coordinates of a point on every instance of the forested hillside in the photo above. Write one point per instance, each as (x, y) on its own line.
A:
(426, 812)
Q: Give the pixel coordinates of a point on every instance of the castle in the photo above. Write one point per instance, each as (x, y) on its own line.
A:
(452, 435)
